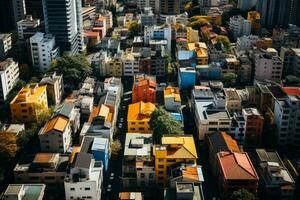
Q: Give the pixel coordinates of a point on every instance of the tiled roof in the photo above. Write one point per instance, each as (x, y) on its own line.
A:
(292, 90)
(58, 123)
(237, 166)
(140, 111)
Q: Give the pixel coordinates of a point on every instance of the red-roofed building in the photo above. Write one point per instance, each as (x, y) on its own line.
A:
(236, 172)
(144, 89)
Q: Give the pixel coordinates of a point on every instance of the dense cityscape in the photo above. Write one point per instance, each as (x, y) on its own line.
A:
(149, 99)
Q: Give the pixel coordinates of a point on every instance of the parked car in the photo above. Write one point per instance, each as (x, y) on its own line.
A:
(112, 176)
(108, 189)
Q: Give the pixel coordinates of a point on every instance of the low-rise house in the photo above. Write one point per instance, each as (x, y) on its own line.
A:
(217, 142)
(144, 89)
(24, 192)
(138, 165)
(201, 52)
(56, 135)
(84, 179)
(138, 117)
(233, 100)
(5, 45)
(55, 87)
(130, 196)
(173, 149)
(86, 105)
(275, 180)
(236, 172)
(47, 168)
(172, 98)
(186, 77)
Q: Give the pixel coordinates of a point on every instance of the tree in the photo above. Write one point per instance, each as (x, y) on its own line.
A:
(74, 68)
(230, 13)
(224, 40)
(188, 7)
(115, 147)
(133, 29)
(229, 79)
(162, 123)
(197, 22)
(8, 146)
(242, 194)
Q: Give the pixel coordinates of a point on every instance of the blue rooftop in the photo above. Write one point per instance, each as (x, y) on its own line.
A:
(185, 55)
(100, 144)
(177, 116)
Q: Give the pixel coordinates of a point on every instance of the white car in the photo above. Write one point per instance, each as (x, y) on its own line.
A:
(120, 125)
(112, 176)
(108, 189)
(122, 119)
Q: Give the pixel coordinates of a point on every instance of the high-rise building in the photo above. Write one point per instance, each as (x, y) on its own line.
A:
(6, 11)
(19, 10)
(239, 26)
(246, 4)
(64, 21)
(170, 7)
(35, 8)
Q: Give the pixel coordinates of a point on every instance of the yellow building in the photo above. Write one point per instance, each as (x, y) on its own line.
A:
(29, 103)
(138, 117)
(114, 67)
(192, 35)
(201, 50)
(254, 18)
(213, 19)
(173, 149)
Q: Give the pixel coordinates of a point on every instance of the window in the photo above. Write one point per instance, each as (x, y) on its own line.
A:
(161, 160)
(87, 188)
(160, 166)
(142, 175)
(72, 189)
(160, 172)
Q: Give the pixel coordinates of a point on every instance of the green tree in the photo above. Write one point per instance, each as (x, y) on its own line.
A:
(197, 22)
(133, 29)
(115, 147)
(224, 40)
(74, 68)
(242, 194)
(162, 123)
(229, 79)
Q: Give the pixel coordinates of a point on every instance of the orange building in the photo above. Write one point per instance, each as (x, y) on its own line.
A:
(254, 18)
(254, 126)
(144, 89)
(236, 172)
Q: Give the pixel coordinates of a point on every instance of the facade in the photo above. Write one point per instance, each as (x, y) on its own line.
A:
(46, 168)
(172, 99)
(138, 166)
(85, 178)
(186, 77)
(158, 33)
(24, 191)
(19, 10)
(9, 76)
(29, 103)
(55, 87)
(172, 150)
(114, 66)
(192, 35)
(65, 22)
(201, 52)
(236, 172)
(254, 126)
(276, 181)
(246, 42)
(147, 17)
(268, 66)
(254, 18)
(291, 61)
(287, 118)
(210, 112)
(233, 101)
(27, 27)
(170, 7)
(56, 135)
(43, 51)
(34, 8)
(144, 89)
(138, 117)
(239, 26)
(100, 151)
(5, 45)
(131, 65)
(246, 4)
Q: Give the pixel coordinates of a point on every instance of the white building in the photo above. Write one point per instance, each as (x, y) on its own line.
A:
(56, 135)
(154, 4)
(28, 25)
(9, 76)
(239, 26)
(287, 117)
(246, 42)
(210, 112)
(131, 65)
(43, 50)
(85, 178)
(55, 87)
(233, 100)
(147, 17)
(5, 45)
(246, 4)
(268, 65)
(163, 32)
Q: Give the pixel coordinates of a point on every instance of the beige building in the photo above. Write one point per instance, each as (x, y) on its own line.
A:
(233, 100)
(114, 66)
(55, 87)
(192, 35)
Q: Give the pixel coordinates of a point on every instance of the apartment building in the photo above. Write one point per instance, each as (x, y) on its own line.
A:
(131, 65)
(287, 117)
(84, 179)
(291, 61)
(268, 66)
(46, 168)
(233, 100)
(254, 18)
(236, 172)
(186, 77)
(158, 33)
(114, 66)
(246, 42)
(55, 87)
(138, 117)
(210, 112)
(5, 45)
(192, 35)
(172, 99)
(29, 104)
(275, 180)
(9, 76)
(147, 17)
(138, 166)
(24, 191)
(144, 89)
(27, 27)
(173, 149)
(43, 50)
(201, 52)
(254, 123)
(239, 26)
